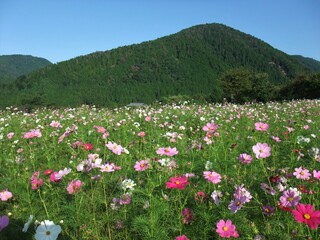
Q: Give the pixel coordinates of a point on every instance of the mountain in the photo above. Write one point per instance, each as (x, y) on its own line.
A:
(309, 63)
(13, 66)
(189, 63)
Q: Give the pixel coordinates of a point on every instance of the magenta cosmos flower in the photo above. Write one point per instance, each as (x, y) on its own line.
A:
(306, 214)
(142, 165)
(316, 174)
(302, 173)
(260, 126)
(182, 237)
(262, 150)
(168, 151)
(212, 176)
(226, 229)
(178, 182)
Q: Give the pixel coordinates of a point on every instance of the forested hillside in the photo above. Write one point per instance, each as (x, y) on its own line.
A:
(13, 66)
(190, 63)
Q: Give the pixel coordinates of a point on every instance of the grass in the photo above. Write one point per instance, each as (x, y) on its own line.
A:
(151, 210)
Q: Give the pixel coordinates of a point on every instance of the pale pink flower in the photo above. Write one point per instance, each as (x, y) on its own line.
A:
(142, 165)
(55, 124)
(210, 127)
(167, 151)
(148, 118)
(316, 174)
(141, 134)
(56, 177)
(10, 135)
(108, 167)
(277, 139)
(5, 195)
(260, 126)
(306, 127)
(212, 176)
(262, 150)
(74, 186)
(302, 173)
(115, 148)
(100, 129)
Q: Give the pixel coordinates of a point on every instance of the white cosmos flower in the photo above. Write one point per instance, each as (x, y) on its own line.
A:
(27, 224)
(47, 230)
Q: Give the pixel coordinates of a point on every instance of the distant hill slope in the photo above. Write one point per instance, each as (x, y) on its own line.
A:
(13, 66)
(189, 62)
(310, 63)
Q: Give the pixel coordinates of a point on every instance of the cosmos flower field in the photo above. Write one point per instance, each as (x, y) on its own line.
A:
(180, 171)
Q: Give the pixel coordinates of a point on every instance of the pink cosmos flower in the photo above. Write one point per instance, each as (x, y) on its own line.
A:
(302, 173)
(187, 215)
(306, 127)
(316, 174)
(178, 182)
(210, 127)
(36, 183)
(277, 139)
(148, 118)
(141, 134)
(245, 158)
(87, 146)
(167, 151)
(212, 176)
(108, 167)
(115, 148)
(260, 126)
(290, 198)
(4, 222)
(226, 229)
(10, 135)
(142, 165)
(55, 124)
(262, 150)
(306, 214)
(5, 195)
(48, 172)
(74, 186)
(100, 129)
(182, 237)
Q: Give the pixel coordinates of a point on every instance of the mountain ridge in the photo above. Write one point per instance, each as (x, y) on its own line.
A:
(189, 62)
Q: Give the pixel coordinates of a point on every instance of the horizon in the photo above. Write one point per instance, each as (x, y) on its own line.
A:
(59, 31)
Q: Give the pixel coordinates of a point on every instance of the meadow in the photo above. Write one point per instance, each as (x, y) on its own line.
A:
(180, 171)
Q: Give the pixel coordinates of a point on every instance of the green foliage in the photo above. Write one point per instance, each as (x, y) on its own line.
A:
(13, 66)
(307, 87)
(188, 63)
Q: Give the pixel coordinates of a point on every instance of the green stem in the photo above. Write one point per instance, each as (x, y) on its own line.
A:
(44, 204)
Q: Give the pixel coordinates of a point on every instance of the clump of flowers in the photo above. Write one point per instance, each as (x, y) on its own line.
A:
(32, 133)
(241, 196)
(187, 215)
(115, 148)
(226, 229)
(36, 181)
(74, 186)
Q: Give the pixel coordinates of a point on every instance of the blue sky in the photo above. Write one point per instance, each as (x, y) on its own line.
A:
(59, 30)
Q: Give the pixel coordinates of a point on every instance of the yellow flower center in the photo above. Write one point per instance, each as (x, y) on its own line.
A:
(306, 216)
(177, 182)
(225, 228)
